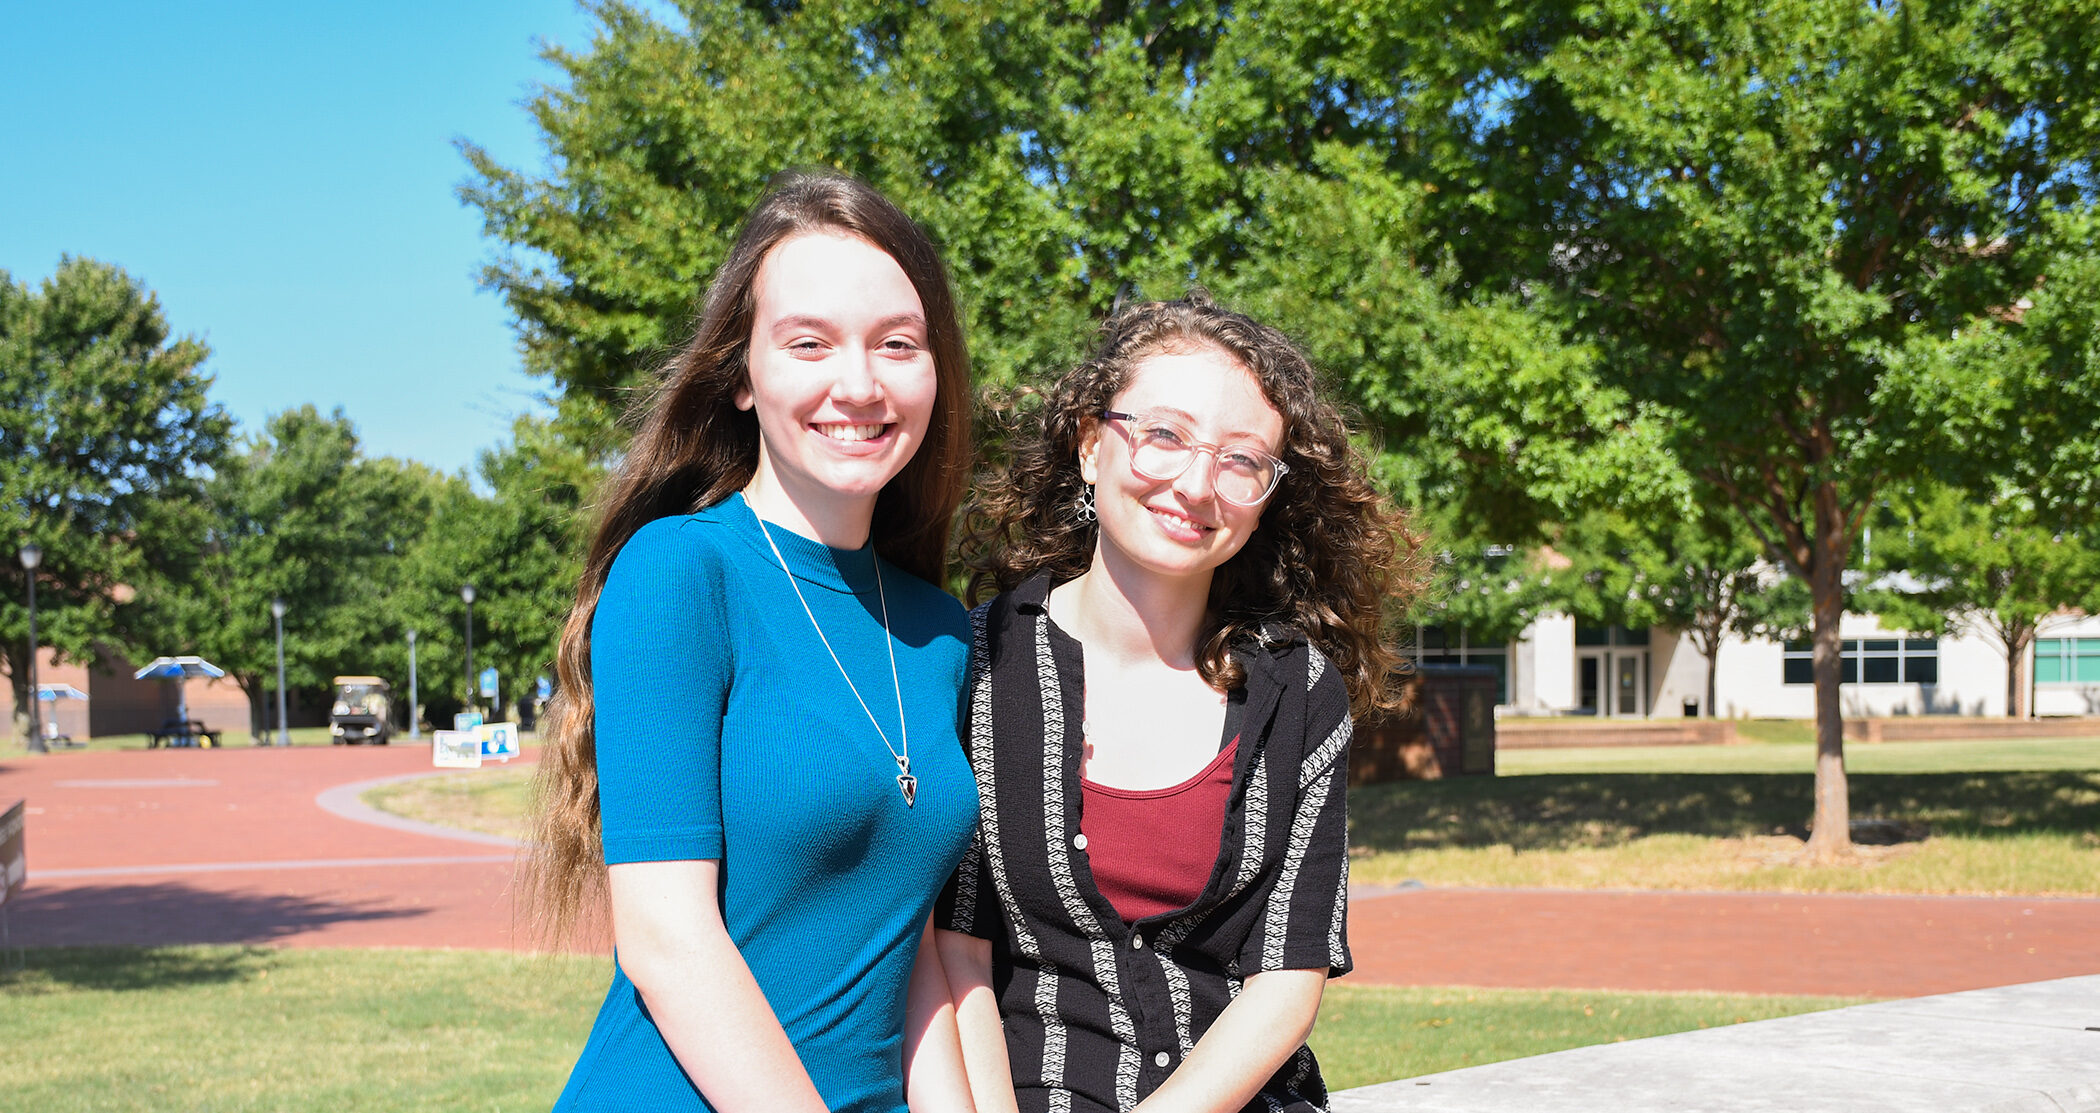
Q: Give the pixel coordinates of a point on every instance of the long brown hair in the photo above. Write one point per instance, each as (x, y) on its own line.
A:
(694, 448)
(1332, 556)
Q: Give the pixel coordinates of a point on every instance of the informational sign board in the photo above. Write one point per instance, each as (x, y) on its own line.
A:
(488, 683)
(498, 740)
(455, 749)
(466, 721)
(14, 863)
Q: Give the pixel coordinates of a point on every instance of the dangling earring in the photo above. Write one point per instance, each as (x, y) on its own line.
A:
(1086, 504)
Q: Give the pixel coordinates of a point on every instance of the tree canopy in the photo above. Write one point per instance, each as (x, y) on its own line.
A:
(1787, 224)
(108, 434)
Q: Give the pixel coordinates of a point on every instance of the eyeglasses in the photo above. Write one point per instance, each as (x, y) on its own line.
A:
(1160, 450)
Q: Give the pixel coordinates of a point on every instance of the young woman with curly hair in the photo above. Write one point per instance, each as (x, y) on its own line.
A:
(770, 821)
(1193, 565)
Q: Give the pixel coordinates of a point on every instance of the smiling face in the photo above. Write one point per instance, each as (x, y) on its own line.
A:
(1178, 528)
(841, 378)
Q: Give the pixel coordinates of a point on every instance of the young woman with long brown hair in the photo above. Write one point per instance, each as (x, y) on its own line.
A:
(769, 820)
(1193, 565)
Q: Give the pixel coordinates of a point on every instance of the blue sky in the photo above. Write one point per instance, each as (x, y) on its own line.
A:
(283, 176)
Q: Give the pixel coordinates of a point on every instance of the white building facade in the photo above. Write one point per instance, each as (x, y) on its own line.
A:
(1561, 667)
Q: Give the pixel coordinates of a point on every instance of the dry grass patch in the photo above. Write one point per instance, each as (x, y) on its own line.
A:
(491, 801)
(2027, 832)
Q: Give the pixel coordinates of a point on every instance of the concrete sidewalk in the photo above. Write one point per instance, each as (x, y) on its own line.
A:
(2032, 1048)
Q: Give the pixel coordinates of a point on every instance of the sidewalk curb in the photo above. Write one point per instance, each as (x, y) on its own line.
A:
(343, 801)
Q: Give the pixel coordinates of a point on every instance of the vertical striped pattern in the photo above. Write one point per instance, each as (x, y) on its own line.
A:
(1100, 948)
(1177, 981)
(1256, 833)
(1276, 921)
(1024, 940)
(1108, 1007)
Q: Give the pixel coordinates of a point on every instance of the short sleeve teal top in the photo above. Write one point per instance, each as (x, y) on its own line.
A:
(724, 731)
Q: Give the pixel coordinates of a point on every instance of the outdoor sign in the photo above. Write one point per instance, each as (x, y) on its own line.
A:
(488, 682)
(498, 740)
(466, 721)
(455, 749)
(14, 864)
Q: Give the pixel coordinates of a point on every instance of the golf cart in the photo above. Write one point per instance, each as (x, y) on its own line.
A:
(359, 714)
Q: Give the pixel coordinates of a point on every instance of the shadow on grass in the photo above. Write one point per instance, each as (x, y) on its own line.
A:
(1584, 810)
(128, 969)
(169, 913)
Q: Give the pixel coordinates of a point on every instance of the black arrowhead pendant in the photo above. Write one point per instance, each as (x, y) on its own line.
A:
(906, 783)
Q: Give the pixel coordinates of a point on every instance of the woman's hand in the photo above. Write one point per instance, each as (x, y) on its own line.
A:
(1250, 1040)
(667, 923)
(967, 962)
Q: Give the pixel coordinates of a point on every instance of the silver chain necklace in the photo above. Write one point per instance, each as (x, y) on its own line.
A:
(907, 784)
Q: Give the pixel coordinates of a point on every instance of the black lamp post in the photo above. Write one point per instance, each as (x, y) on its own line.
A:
(466, 595)
(284, 730)
(415, 721)
(33, 555)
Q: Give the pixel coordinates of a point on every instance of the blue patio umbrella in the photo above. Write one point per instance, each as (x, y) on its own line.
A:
(50, 694)
(179, 669)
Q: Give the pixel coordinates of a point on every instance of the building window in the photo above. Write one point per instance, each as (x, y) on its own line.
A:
(2067, 660)
(1609, 635)
(1871, 661)
(1438, 645)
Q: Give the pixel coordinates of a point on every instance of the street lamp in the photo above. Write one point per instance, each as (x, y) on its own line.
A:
(466, 595)
(33, 555)
(284, 731)
(415, 721)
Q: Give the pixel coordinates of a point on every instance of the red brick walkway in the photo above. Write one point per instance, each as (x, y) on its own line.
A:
(1870, 946)
(232, 846)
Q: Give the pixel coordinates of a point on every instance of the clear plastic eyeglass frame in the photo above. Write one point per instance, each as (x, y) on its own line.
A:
(1164, 462)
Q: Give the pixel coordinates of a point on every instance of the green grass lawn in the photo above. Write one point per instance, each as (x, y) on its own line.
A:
(1370, 1034)
(2017, 816)
(251, 1028)
(234, 1028)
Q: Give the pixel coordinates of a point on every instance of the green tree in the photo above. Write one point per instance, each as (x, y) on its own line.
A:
(2041, 365)
(521, 547)
(1697, 572)
(107, 431)
(1781, 221)
(298, 515)
(1069, 156)
(1066, 156)
(1951, 563)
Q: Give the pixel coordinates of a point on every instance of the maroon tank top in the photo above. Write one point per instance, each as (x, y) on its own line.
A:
(1152, 850)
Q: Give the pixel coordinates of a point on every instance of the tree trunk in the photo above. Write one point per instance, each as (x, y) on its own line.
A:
(1708, 643)
(1832, 823)
(18, 682)
(1713, 663)
(2018, 668)
(252, 687)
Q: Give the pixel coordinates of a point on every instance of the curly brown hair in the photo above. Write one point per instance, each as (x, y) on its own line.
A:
(694, 448)
(1332, 556)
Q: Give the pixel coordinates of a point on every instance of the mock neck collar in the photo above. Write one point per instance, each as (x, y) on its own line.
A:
(811, 561)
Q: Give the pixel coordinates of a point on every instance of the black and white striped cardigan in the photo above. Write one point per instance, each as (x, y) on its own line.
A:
(1098, 1012)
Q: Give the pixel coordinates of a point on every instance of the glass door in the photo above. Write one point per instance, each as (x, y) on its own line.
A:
(1628, 693)
(1589, 676)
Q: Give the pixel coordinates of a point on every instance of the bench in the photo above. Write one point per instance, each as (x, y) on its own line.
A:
(182, 732)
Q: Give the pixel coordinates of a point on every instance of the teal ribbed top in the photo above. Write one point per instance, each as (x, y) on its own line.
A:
(725, 731)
